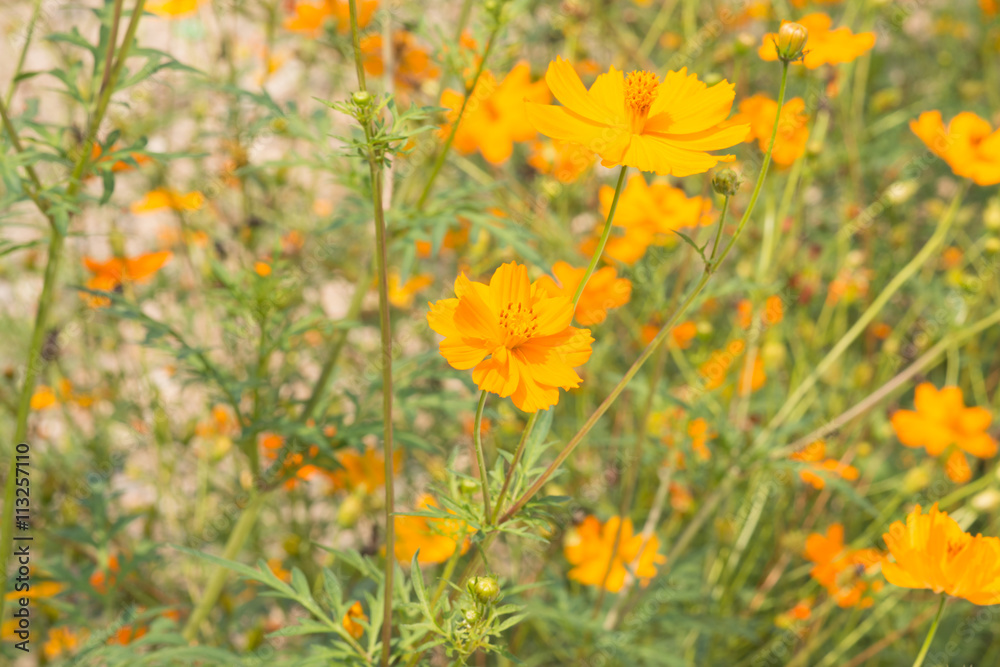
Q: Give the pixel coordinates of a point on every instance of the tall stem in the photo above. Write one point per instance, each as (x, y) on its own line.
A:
(930, 634)
(518, 453)
(385, 328)
(599, 250)
(443, 155)
(477, 438)
(660, 337)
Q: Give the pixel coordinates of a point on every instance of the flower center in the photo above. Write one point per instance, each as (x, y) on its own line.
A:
(640, 93)
(519, 323)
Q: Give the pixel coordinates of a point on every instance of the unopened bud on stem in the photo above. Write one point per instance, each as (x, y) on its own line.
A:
(791, 41)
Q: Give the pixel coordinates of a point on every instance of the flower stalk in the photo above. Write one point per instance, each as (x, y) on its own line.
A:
(930, 633)
(599, 250)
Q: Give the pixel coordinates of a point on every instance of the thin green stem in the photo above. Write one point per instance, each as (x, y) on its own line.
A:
(940, 233)
(484, 478)
(718, 231)
(930, 633)
(471, 90)
(29, 33)
(575, 441)
(239, 536)
(32, 366)
(599, 250)
(385, 328)
(518, 453)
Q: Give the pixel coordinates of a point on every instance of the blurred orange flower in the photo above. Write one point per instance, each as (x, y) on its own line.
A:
(838, 569)
(108, 275)
(681, 335)
(412, 62)
(453, 239)
(604, 291)
(824, 46)
(815, 454)
(525, 332)
(59, 641)
(666, 127)
(648, 214)
(494, 117)
(435, 538)
(162, 198)
(402, 296)
(105, 577)
(969, 145)
(931, 551)
(352, 626)
(565, 161)
(700, 435)
(588, 547)
(365, 472)
(793, 130)
(941, 420)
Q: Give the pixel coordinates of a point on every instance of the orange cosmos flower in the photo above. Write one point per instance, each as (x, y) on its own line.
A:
(941, 419)
(43, 398)
(402, 296)
(700, 435)
(341, 11)
(262, 269)
(682, 334)
(352, 626)
(436, 539)
(604, 290)
(60, 640)
(525, 332)
(824, 46)
(838, 568)
(157, 200)
(172, 9)
(589, 545)
(127, 634)
(494, 118)
(365, 472)
(648, 215)
(666, 127)
(109, 275)
(412, 61)
(814, 454)
(969, 144)
(103, 578)
(39, 591)
(453, 238)
(932, 551)
(565, 161)
(759, 112)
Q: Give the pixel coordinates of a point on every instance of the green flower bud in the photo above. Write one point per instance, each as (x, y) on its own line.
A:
(484, 589)
(726, 182)
(362, 99)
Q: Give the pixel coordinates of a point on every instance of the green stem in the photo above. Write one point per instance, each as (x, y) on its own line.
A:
(34, 362)
(930, 634)
(442, 156)
(241, 532)
(660, 337)
(834, 354)
(29, 33)
(518, 453)
(718, 231)
(477, 438)
(599, 250)
(385, 328)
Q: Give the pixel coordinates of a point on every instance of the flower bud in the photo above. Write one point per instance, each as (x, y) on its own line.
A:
(791, 40)
(484, 589)
(472, 616)
(726, 182)
(349, 512)
(362, 98)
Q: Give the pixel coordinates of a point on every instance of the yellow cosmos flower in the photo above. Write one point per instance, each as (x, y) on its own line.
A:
(525, 332)
(932, 551)
(662, 126)
(825, 46)
(969, 144)
(604, 291)
(589, 546)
